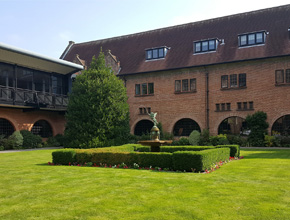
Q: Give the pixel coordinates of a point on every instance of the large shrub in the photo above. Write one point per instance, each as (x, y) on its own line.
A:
(30, 140)
(204, 138)
(237, 139)
(15, 141)
(258, 125)
(98, 112)
(181, 142)
(220, 139)
(194, 138)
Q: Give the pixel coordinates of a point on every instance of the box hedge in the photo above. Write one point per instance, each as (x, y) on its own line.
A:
(235, 149)
(199, 160)
(64, 157)
(172, 149)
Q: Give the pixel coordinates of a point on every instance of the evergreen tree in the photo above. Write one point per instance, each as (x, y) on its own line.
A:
(98, 112)
(258, 125)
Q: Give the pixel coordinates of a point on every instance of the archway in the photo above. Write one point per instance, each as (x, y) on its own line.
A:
(185, 126)
(282, 125)
(143, 127)
(233, 125)
(6, 128)
(42, 128)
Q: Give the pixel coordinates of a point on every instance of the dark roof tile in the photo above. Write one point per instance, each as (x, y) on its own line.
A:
(130, 49)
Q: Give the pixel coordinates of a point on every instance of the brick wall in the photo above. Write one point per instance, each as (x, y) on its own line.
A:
(171, 107)
(25, 120)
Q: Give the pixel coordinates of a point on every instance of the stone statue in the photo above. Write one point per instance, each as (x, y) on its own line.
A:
(153, 117)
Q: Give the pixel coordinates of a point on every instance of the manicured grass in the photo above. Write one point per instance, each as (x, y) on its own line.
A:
(256, 187)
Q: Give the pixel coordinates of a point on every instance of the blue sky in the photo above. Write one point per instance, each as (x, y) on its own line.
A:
(46, 26)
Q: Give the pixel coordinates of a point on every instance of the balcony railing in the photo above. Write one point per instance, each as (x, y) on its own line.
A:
(23, 97)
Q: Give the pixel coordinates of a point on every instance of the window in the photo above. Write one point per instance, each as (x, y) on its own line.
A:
(156, 53)
(282, 78)
(6, 75)
(224, 81)
(42, 128)
(197, 47)
(192, 84)
(41, 81)
(228, 106)
(221, 107)
(205, 46)
(233, 80)
(236, 80)
(57, 84)
(144, 89)
(24, 78)
(251, 105)
(252, 39)
(279, 76)
(239, 104)
(177, 85)
(144, 111)
(150, 88)
(287, 76)
(137, 89)
(217, 107)
(245, 106)
(242, 80)
(184, 85)
(6, 128)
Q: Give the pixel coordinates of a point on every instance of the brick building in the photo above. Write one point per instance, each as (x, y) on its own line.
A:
(207, 74)
(33, 91)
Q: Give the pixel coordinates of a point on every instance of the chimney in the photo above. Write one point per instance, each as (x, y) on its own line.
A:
(70, 44)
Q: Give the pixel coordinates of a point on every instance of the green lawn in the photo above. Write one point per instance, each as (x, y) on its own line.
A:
(256, 187)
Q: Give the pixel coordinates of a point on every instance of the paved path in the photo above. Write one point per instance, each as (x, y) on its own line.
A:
(22, 150)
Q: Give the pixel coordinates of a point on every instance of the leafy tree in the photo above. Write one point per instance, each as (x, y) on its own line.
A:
(98, 113)
(258, 125)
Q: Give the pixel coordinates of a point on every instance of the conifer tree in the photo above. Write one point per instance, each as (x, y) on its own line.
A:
(98, 112)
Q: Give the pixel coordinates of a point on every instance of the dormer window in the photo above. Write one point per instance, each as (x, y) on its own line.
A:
(251, 39)
(156, 53)
(205, 46)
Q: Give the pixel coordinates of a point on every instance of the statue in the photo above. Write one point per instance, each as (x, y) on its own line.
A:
(153, 117)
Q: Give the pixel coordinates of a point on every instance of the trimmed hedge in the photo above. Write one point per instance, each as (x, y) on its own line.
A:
(199, 160)
(64, 157)
(235, 149)
(172, 149)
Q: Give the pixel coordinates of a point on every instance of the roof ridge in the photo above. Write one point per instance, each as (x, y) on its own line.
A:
(183, 25)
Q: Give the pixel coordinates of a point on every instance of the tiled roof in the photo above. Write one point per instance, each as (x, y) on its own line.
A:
(130, 49)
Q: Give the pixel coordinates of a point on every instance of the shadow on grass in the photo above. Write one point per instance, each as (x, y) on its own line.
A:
(267, 153)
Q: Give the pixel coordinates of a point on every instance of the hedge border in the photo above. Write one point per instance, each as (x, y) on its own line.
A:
(197, 159)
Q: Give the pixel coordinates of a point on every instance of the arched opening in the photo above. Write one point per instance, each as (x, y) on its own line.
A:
(184, 127)
(42, 128)
(143, 127)
(233, 125)
(6, 128)
(282, 126)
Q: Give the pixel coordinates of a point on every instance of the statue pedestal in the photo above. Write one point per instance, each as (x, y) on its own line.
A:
(154, 144)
